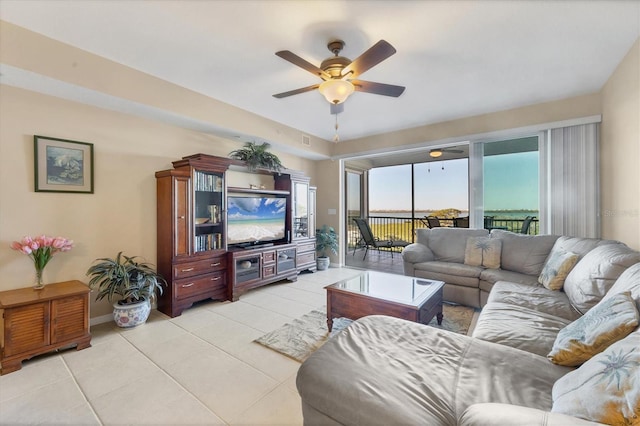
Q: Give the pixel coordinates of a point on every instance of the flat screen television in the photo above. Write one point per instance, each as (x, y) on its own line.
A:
(252, 220)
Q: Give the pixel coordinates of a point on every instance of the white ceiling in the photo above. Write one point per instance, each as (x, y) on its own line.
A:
(456, 58)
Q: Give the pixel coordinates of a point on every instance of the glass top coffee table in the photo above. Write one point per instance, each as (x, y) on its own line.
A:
(378, 293)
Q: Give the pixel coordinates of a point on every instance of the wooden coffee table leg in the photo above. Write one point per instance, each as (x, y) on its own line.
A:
(439, 316)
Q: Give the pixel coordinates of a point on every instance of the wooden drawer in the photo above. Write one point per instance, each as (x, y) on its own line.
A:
(268, 271)
(183, 289)
(269, 256)
(306, 247)
(304, 258)
(199, 267)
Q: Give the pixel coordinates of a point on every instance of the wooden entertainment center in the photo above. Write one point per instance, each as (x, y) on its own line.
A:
(194, 254)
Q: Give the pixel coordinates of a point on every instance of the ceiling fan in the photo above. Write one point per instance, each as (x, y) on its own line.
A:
(437, 152)
(339, 74)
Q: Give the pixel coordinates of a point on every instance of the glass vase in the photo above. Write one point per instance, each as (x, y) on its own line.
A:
(39, 283)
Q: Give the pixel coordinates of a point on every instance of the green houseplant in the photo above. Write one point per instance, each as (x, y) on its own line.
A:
(257, 156)
(326, 241)
(131, 284)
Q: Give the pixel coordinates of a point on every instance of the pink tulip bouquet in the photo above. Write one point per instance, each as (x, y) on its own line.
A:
(41, 249)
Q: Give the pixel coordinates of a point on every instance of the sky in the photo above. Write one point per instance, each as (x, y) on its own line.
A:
(511, 183)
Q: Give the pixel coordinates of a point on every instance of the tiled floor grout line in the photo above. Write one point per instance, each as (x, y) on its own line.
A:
(180, 385)
(84, 396)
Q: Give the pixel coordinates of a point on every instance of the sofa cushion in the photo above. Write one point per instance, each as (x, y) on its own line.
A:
(495, 275)
(580, 246)
(628, 281)
(604, 389)
(595, 273)
(448, 244)
(535, 298)
(450, 268)
(518, 327)
(387, 371)
(556, 268)
(524, 253)
(490, 413)
(609, 321)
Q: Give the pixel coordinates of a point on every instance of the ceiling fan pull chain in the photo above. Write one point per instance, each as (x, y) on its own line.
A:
(336, 138)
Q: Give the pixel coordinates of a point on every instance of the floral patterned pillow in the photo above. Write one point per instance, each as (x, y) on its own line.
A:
(607, 322)
(606, 388)
(556, 268)
(483, 251)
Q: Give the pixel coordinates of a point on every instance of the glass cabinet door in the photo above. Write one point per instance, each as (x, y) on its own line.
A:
(300, 210)
(208, 211)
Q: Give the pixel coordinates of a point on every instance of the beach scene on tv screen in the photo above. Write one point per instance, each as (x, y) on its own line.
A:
(253, 219)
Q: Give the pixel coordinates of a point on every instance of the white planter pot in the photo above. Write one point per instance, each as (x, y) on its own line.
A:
(131, 315)
(322, 263)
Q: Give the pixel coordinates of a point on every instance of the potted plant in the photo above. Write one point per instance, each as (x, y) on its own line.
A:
(256, 156)
(326, 240)
(130, 283)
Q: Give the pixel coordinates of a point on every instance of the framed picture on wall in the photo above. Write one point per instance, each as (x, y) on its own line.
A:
(62, 165)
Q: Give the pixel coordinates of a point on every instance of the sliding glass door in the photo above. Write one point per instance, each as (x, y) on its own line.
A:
(510, 185)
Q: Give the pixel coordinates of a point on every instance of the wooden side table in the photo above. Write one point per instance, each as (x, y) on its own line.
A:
(38, 321)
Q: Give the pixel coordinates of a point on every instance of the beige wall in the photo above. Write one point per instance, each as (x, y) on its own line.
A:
(329, 196)
(120, 215)
(620, 152)
(33, 52)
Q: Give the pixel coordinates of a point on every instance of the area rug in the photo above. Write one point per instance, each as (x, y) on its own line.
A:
(304, 335)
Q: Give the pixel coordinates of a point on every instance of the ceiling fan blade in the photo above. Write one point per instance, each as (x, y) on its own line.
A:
(296, 91)
(372, 57)
(297, 60)
(378, 88)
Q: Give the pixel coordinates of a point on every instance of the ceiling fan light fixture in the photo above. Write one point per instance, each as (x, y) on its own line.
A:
(435, 153)
(336, 91)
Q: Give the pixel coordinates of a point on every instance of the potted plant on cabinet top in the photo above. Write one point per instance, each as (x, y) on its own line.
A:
(326, 240)
(256, 156)
(135, 284)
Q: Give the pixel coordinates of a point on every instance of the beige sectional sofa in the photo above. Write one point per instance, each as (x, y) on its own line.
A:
(439, 254)
(387, 371)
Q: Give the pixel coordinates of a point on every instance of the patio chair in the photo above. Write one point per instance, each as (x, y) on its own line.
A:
(461, 222)
(526, 224)
(433, 222)
(369, 241)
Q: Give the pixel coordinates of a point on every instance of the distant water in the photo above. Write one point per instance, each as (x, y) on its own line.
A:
(499, 214)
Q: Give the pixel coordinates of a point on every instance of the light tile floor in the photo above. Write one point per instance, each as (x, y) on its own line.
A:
(199, 368)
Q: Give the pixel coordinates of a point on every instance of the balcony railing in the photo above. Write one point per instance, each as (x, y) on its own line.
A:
(402, 228)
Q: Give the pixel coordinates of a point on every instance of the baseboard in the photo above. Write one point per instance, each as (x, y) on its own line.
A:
(100, 320)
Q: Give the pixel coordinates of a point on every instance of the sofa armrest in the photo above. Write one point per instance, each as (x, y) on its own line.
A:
(415, 253)
(490, 414)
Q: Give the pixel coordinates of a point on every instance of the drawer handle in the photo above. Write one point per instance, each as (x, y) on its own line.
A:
(215, 279)
(187, 270)
(181, 217)
(187, 285)
(215, 264)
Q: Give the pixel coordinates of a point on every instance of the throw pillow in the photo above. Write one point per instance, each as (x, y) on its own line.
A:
(473, 251)
(609, 321)
(483, 251)
(491, 253)
(606, 388)
(557, 267)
